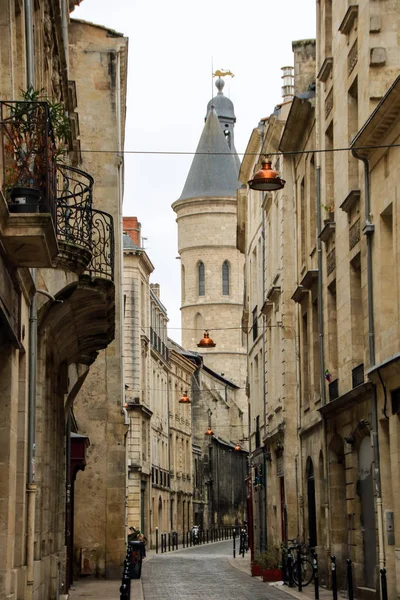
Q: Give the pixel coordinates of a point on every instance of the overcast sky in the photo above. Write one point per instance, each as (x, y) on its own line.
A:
(172, 48)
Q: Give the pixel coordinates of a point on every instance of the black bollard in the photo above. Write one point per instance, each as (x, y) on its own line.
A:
(234, 545)
(169, 542)
(384, 585)
(183, 539)
(187, 539)
(290, 565)
(350, 580)
(334, 578)
(298, 566)
(156, 540)
(207, 536)
(316, 576)
(176, 540)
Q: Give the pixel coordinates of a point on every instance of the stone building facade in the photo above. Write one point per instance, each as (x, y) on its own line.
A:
(100, 493)
(337, 448)
(57, 298)
(159, 484)
(181, 464)
(136, 287)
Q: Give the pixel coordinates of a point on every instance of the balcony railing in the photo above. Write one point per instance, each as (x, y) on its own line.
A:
(102, 262)
(28, 155)
(74, 206)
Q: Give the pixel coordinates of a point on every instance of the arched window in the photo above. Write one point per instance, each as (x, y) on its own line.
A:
(202, 279)
(225, 278)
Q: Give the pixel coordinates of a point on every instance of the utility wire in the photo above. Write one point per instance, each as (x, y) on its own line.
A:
(285, 153)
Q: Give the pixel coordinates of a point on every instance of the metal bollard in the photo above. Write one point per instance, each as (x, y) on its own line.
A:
(169, 542)
(384, 585)
(207, 536)
(234, 545)
(290, 564)
(187, 539)
(176, 540)
(183, 539)
(156, 540)
(350, 579)
(298, 566)
(334, 578)
(316, 576)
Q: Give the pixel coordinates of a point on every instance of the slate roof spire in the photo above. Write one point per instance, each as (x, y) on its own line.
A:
(215, 167)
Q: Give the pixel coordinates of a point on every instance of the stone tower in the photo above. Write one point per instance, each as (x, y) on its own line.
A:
(211, 266)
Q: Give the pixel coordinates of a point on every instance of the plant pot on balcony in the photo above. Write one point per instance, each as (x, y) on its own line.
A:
(24, 200)
(272, 575)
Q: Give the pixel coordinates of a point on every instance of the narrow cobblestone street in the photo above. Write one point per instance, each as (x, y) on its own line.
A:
(202, 572)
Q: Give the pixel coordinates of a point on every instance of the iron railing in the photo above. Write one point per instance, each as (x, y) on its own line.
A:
(102, 262)
(74, 206)
(28, 153)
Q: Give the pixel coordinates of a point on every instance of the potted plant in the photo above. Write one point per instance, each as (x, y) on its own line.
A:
(257, 566)
(34, 135)
(330, 212)
(272, 564)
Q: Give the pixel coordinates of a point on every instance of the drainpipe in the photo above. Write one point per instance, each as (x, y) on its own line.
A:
(320, 294)
(64, 22)
(368, 232)
(264, 381)
(31, 485)
(121, 269)
(300, 520)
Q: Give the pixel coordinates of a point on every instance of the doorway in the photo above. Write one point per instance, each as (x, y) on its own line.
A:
(312, 514)
(368, 526)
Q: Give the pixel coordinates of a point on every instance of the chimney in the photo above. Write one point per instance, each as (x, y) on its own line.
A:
(304, 64)
(156, 289)
(288, 83)
(133, 228)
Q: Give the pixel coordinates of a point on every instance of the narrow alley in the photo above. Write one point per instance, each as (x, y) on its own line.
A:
(202, 572)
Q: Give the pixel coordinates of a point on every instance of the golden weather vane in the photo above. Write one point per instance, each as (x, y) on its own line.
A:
(222, 73)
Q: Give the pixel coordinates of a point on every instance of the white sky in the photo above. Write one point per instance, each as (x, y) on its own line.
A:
(172, 47)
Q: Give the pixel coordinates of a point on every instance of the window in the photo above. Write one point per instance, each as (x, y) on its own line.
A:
(225, 278)
(202, 281)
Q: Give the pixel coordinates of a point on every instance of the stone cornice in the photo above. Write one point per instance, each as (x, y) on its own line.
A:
(382, 125)
(202, 200)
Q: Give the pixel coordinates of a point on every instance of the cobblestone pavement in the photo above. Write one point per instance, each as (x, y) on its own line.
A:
(202, 573)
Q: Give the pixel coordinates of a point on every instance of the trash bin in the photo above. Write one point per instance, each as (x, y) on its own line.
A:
(136, 551)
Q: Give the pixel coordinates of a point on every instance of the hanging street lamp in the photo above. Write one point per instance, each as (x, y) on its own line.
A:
(206, 341)
(266, 180)
(185, 399)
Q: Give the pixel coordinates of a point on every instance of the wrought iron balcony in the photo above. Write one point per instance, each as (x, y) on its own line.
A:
(85, 235)
(74, 218)
(102, 261)
(28, 157)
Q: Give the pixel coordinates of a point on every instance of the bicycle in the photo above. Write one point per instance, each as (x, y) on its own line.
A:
(306, 566)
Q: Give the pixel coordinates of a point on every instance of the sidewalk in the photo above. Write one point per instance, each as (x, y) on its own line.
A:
(103, 589)
(243, 564)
